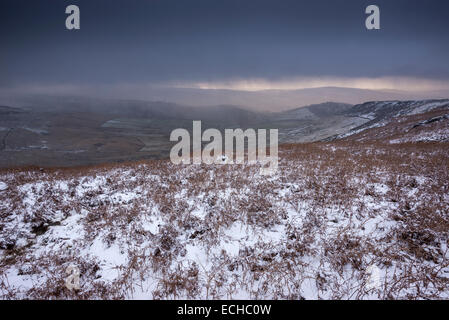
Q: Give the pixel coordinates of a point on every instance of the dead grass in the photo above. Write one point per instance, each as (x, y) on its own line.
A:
(326, 197)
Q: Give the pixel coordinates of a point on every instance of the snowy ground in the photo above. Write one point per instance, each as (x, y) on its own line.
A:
(155, 230)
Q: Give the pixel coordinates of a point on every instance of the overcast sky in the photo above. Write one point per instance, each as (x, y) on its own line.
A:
(225, 43)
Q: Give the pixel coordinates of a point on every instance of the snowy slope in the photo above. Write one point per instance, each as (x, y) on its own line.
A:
(155, 230)
(381, 113)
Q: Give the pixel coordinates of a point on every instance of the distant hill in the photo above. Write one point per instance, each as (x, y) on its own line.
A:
(140, 109)
(263, 100)
(68, 131)
(9, 110)
(316, 111)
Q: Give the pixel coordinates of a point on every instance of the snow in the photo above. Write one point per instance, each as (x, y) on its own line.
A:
(438, 135)
(428, 106)
(382, 113)
(3, 186)
(312, 231)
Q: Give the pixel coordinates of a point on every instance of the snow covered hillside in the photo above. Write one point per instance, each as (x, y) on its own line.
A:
(333, 213)
(390, 114)
(430, 126)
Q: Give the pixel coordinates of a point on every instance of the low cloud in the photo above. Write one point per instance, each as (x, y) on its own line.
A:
(258, 94)
(383, 83)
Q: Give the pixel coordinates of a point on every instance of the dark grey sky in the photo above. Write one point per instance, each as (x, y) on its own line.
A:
(213, 40)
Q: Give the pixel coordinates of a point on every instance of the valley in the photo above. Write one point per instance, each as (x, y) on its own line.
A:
(62, 132)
